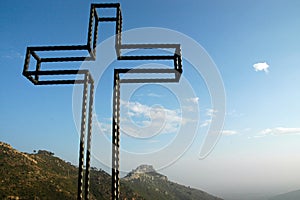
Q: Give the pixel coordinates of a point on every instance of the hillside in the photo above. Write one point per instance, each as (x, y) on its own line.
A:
(152, 185)
(294, 195)
(43, 176)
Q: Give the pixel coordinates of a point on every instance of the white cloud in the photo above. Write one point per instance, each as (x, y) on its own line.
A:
(142, 120)
(194, 100)
(266, 131)
(234, 113)
(190, 108)
(191, 104)
(261, 67)
(105, 128)
(12, 54)
(211, 112)
(229, 132)
(280, 131)
(150, 94)
(206, 123)
(154, 95)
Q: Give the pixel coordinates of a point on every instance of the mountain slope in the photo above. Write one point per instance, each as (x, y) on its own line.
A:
(43, 176)
(294, 195)
(152, 185)
(24, 175)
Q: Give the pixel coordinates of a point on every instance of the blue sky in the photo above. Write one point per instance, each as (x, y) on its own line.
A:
(258, 152)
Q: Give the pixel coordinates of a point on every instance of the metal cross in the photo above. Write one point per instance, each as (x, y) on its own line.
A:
(88, 84)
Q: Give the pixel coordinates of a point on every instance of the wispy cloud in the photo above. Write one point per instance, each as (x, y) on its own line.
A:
(280, 131)
(191, 104)
(154, 95)
(140, 119)
(229, 132)
(190, 108)
(206, 123)
(12, 54)
(211, 112)
(105, 128)
(194, 100)
(150, 94)
(262, 66)
(234, 113)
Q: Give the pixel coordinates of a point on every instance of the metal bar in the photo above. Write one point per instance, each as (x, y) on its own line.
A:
(95, 37)
(35, 56)
(118, 36)
(60, 82)
(67, 59)
(30, 78)
(57, 72)
(118, 138)
(90, 27)
(150, 80)
(58, 48)
(178, 60)
(26, 61)
(82, 136)
(106, 5)
(146, 71)
(89, 139)
(96, 16)
(115, 189)
(156, 57)
(37, 68)
(149, 46)
(107, 19)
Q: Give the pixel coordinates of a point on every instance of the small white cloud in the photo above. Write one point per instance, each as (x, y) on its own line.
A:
(234, 113)
(266, 131)
(206, 123)
(12, 54)
(190, 108)
(255, 137)
(280, 131)
(104, 128)
(211, 112)
(154, 95)
(194, 100)
(229, 132)
(261, 67)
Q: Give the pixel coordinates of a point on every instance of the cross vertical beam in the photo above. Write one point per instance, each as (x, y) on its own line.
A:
(89, 140)
(86, 90)
(115, 189)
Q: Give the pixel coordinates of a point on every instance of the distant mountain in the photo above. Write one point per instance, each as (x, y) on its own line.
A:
(294, 195)
(43, 176)
(152, 185)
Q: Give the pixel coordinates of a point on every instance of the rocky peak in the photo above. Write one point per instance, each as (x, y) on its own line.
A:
(144, 171)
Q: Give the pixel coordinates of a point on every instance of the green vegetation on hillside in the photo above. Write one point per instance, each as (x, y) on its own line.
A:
(44, 176)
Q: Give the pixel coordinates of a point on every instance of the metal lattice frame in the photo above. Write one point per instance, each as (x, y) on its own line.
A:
(88, 84)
